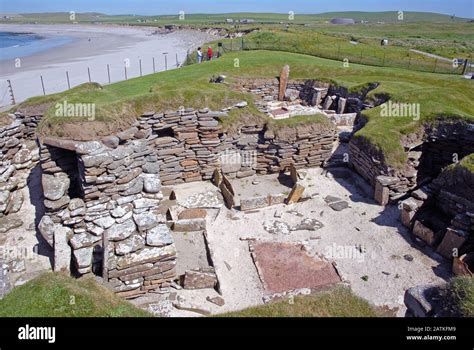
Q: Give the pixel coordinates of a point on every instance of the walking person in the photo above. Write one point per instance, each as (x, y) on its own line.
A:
(199, 55)
(209, 53)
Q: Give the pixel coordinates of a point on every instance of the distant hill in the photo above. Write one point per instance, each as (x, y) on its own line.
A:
(372, 17)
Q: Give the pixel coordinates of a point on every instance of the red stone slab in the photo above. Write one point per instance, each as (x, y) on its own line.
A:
(287, 266)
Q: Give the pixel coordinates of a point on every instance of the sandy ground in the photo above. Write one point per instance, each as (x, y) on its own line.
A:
(93, 47)
(372, 252)
(367, 243)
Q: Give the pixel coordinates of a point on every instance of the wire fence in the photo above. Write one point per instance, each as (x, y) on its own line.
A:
(402, 58)
(59, 79)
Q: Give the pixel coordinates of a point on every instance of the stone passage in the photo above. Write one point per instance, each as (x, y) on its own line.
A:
(101, 209)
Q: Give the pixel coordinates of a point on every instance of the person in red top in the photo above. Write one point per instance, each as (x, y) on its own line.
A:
(209, 53)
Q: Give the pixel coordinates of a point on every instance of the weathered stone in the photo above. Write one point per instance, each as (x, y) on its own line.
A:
(22, 156)
(295, 194)
(151, 183)
(62, 250)
(159, 236)
(130, 245)
(15, 202)
(47, 227)
(423, 232)
(9, 223)
(89, 147)
(338, 206)
(452, 241)
(83, 257)
(193, 213)
(254, 203)
(195, 279)
(104, 222)
(382, 194)
(147, 221)
(84, 239)
(284, 76)
(277, 227)
(121, 231)
(129, 176)
(308, 224)
(189, 225)
(146, 255)
(406, 217)
(111, 141)
(217, 300)
(54, 187)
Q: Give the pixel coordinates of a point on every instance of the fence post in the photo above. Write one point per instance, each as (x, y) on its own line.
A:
(166, 61)
(12, 96)
(126, 73)
(68, 83)
(108, 72)
(42, 85)
(154, 70)
(89, 73)
(177, 63)
(436, 63)
(140, 60)
(242, 43)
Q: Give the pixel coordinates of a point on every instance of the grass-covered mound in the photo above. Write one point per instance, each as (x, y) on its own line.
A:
(59, 295)
(337, 302)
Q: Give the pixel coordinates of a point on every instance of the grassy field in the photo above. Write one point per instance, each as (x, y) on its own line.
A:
(58, 295)
(458, 297)
(338, 302)
(259, 18)
(350, 48)
(437, 94)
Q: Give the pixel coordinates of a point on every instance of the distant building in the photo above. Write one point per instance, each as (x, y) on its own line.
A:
(229, 20)
(247, 20)
(384, 42)
(342, 21)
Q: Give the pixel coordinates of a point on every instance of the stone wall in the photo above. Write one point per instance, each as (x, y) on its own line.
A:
(441, 214)
(439, 144)
(18, 154)
(191, 145)
(102, 207)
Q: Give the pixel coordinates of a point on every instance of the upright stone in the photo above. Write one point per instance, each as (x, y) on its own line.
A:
(62, 250)
(285, 73)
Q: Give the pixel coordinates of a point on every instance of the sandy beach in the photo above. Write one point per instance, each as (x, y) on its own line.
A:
(93, 47)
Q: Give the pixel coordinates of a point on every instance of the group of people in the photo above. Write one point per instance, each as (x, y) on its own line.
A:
(200, 55)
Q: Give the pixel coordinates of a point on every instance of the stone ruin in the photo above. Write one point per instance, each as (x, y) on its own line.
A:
(103, 201)
(104, 204)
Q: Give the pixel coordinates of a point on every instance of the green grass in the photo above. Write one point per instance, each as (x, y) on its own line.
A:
(458, 297)
(368, 51)
(437, 94)
(338, 302)
(58, 295)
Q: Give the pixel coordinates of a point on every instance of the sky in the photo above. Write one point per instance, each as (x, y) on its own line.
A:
(461, 8)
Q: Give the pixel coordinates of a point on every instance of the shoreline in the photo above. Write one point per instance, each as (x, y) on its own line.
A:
(92, 49)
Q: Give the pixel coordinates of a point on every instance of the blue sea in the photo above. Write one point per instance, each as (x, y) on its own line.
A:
(16, 45)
